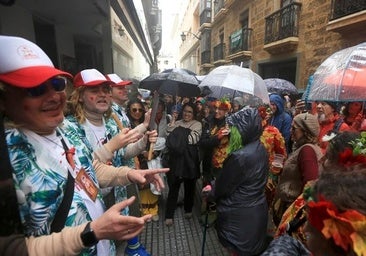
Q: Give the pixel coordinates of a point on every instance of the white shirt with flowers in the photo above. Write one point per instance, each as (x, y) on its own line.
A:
(40, 177)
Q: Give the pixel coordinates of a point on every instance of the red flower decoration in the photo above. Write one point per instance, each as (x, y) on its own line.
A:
(347, 158)
(223, 104)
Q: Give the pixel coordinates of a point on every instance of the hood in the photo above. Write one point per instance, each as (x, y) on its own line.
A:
(279, 102)
(248, 122)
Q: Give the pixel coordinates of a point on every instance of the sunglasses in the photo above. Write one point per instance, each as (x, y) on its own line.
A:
(134, 110)
(57, 83)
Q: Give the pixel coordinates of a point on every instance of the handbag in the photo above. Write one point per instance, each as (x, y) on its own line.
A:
(155, 163)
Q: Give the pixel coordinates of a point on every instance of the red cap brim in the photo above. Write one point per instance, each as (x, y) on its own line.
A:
(32, 76)
(123, 83)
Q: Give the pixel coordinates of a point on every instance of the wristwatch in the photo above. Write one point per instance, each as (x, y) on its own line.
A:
(88, 236)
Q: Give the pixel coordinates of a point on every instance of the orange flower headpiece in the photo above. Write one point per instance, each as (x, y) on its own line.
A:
(223, 104)
(347, 229)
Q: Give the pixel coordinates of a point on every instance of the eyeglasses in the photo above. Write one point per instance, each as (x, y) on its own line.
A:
(134, 110)
(187, 111)
(57, 83)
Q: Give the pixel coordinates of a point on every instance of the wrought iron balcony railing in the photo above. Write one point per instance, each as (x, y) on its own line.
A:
(341, 8)
(283, 23)
(241, 40)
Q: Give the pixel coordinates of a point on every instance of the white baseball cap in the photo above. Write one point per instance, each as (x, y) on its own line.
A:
(24, 64)
(90, 77)
(117, 80)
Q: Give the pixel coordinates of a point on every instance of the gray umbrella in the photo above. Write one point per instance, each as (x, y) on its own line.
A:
(176, 82)
(280, 86)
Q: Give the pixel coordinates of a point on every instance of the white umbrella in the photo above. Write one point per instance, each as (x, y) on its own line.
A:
(232, 81)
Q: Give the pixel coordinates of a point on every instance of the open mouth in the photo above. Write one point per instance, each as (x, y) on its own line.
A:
(102, 102)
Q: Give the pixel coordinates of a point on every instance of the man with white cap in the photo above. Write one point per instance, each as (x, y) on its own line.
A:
(51, 167)
(119, 102)
(119, 97)
(92, 119)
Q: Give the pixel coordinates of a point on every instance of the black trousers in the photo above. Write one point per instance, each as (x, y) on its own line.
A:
(174, 186)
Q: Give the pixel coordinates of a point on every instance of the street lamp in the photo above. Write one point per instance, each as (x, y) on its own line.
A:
(183, 36)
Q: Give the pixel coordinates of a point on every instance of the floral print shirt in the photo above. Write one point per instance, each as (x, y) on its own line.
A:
(120, 192)
(40, 181)
(121, 114)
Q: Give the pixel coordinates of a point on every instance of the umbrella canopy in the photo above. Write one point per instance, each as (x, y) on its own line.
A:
(341, 77)
(280, 86)
(233, 81)
(176, 82)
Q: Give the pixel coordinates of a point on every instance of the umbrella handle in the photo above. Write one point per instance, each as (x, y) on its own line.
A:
(120, 126)
(151, 151)
(118, 122)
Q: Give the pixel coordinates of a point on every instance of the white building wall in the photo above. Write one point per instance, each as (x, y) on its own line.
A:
(128, 62)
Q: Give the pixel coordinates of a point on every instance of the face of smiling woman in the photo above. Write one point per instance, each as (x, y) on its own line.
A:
(41, 114)
(96, 99)
(187, 114)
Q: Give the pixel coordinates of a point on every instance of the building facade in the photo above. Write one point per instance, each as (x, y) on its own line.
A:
(113, 36)
(276, 38)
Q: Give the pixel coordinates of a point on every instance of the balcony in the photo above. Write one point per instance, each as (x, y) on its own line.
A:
(347, 17)
(219, 10)
(205, 17)
(206, 59)
(282, 28)
(240, 44)
(219, 54)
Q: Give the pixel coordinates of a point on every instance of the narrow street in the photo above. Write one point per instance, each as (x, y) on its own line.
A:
(185, 237)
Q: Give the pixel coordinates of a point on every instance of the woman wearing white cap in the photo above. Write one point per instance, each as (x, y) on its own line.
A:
(49, 165)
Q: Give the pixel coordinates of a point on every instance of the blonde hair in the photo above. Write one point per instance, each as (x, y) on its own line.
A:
(76, 107)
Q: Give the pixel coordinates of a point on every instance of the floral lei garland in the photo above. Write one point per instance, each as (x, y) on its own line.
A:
(347, 229)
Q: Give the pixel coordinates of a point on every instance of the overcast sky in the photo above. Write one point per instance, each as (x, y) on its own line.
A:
(169, 9)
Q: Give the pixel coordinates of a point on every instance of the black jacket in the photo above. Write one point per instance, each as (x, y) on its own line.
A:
(239, 190)
(183, 157)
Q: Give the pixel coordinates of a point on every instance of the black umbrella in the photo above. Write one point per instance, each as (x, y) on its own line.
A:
(176, 82)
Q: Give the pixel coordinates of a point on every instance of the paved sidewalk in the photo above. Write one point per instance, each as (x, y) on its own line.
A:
(184, 237)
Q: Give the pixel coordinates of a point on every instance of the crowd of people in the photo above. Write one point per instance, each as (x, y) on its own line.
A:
(64, 168)
(77, 143)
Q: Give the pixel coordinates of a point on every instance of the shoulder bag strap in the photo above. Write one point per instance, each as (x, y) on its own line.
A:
(59, 220)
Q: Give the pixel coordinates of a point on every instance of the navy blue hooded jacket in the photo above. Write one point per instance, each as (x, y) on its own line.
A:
(281, 119)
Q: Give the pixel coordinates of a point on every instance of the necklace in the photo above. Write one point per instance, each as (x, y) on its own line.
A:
(54, 138)
(68, 152)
